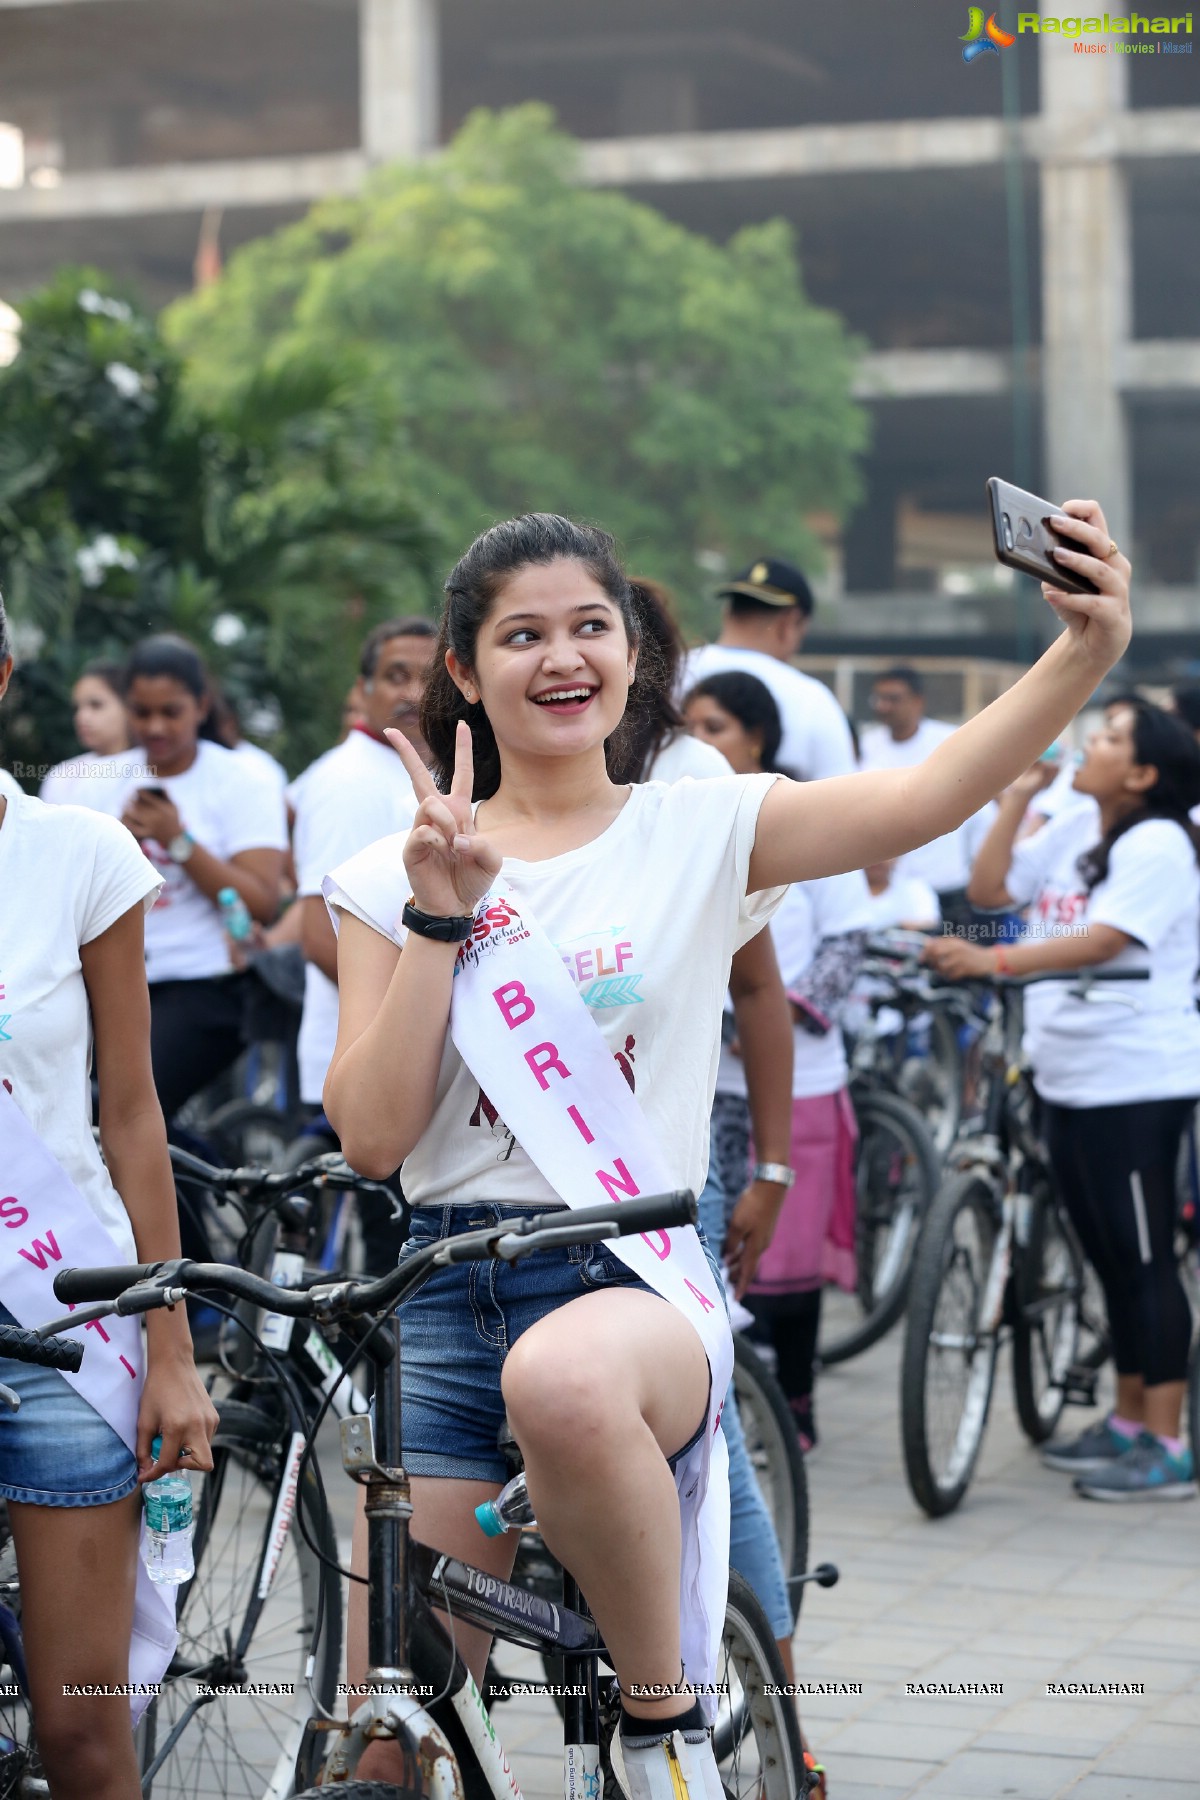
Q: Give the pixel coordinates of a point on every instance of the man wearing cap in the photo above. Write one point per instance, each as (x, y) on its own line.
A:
(767, 609)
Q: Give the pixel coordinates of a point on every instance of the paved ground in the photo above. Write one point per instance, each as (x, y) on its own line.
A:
(1023, 1586)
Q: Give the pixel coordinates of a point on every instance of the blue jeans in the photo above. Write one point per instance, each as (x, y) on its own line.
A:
(753, 1547)
(57, 1451)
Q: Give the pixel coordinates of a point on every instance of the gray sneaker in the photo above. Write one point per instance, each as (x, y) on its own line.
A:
(1147, 1471)
(1096, 1448)
(678, 1767)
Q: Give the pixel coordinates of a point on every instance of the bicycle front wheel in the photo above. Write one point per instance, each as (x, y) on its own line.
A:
(1046, 1332)
(756, 1740)
(774, 1451)
(251, 1644)
(896, 1176)
(949, 1362)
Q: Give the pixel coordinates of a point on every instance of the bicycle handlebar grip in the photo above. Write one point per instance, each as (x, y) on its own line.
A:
(656, 1212)
(51, 1353)
(72, 1285)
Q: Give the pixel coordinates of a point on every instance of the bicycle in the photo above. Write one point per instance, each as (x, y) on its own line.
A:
(997, 1256)
(450, 1746)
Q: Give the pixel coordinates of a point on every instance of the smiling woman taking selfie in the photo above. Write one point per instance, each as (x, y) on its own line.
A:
(630, 900)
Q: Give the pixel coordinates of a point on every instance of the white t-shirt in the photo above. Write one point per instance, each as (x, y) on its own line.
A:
(228, 807)
(946, 862)
(810, 911)
(906, 900)
(646, 919)
(9, 785)
(87, 779)
(816, 733)
(1139, 1041)
(66, 874)
(688, 755)
(358, 793)
(294, 791)
(263, 761)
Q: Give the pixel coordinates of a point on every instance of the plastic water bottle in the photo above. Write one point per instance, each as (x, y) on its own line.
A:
(235, 914)
(508, 1511)
(167, 1545)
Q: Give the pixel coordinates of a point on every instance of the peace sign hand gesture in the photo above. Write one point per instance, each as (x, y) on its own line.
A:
(449, 865)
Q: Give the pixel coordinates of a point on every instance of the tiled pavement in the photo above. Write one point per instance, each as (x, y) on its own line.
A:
(1023, 1586)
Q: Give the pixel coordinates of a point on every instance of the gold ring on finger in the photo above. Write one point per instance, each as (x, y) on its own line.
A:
(1112, 550)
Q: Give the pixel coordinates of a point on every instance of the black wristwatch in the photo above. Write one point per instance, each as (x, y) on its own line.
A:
(452, 928)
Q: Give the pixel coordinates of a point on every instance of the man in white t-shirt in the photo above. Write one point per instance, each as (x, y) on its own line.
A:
(904, 737)
(352, 795)
(767, 610)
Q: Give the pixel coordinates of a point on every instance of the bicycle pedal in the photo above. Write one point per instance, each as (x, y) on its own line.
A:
(1079, 1387)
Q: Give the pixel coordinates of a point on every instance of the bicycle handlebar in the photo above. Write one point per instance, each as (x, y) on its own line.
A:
(329, 1170)
(31, 1347)
(142, 1287)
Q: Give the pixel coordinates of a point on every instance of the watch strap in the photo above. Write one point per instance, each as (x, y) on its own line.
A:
(452, 928)
(181, 846)
(779, 1173)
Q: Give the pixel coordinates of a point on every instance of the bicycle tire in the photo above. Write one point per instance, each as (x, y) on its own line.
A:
(939, 1476)
(244, 1746)
(20, 1765)
(1046, 1327)
(750, 1663)
(892, 1199)
(774, 1451)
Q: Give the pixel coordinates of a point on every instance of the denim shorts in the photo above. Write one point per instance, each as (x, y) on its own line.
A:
(57, 1451)
(457, 1329)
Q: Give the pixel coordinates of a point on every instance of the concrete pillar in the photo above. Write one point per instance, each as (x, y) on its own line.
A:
(398, 77)
(1086, 284)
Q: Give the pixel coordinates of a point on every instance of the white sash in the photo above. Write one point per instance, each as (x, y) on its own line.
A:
(522, 1029)
(49, 1225)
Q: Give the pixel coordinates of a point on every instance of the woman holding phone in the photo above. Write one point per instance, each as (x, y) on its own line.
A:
(541, 665)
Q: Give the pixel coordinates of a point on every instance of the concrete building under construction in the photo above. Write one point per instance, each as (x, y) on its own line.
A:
(1016, 236)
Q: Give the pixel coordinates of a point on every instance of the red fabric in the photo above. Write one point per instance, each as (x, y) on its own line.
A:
(814, 1239)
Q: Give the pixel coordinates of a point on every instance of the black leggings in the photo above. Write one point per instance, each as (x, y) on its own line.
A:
(1115, 1167)
(196, 1032)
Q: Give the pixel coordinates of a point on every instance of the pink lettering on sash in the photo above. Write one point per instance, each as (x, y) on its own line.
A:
(95, 1325)
(704, 1300)
(37, 1256)
(514, 1003)
(620, 1183)
(580, 1124)
(543, 1057)
(12, 1212)
(663, 1239)
(132, 1372)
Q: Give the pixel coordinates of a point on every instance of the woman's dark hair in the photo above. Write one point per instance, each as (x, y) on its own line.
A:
(104, 669)
(5, 640)
(659, 722)
(472, 586)
(175, 659)
(751, 702)
(1163, 743)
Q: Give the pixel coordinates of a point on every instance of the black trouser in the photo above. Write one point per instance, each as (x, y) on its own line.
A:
(196, 1032)
(790, 1323)
(1115, 1167)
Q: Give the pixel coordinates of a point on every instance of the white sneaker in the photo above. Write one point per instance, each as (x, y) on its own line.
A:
(669, 1768)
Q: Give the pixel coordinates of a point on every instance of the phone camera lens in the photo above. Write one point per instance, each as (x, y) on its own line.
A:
(1008, 536)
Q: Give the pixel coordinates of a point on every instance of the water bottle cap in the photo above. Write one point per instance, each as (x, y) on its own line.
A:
(156, 1448)
(228, 896)
(489, 1520)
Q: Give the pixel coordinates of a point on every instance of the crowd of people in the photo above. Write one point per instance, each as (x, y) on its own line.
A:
(701, 851)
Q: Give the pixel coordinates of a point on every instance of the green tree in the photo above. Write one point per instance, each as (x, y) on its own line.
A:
(502, 339)
(124, 512)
